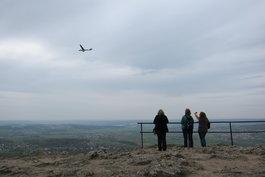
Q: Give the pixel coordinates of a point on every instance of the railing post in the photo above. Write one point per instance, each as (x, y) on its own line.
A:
(142, 137)
(231, 133)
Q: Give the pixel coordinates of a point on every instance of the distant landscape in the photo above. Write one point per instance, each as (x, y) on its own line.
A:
(24, 138)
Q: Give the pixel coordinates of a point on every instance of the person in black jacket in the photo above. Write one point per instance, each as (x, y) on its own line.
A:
(187, 128)
(161, 129)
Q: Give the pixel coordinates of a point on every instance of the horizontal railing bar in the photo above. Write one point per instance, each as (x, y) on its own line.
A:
(152, 123)
(246, 121)
(231, 132)
(261, 131)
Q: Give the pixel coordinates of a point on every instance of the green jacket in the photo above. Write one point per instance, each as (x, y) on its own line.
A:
(187, 122)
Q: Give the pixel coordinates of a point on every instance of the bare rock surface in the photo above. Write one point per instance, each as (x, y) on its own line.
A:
(177, 161)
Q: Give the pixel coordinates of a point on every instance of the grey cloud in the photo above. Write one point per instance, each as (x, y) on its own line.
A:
(172, 52)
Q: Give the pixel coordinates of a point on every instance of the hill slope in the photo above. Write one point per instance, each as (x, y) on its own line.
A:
(176, 161)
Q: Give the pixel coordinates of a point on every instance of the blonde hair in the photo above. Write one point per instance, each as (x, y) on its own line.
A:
(160, 112)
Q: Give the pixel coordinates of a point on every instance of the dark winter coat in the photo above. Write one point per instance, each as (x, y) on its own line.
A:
(160, 122)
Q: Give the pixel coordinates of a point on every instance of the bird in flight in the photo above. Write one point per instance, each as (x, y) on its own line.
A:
(83, 49)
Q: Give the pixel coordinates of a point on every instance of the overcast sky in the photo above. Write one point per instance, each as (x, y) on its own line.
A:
(208, 55)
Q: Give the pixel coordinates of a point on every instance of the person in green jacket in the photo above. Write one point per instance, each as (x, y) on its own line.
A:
(187, 128)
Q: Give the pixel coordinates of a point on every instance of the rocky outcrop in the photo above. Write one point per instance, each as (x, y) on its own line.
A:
(177, 161)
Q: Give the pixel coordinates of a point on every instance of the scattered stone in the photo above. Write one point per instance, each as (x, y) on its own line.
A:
(158, 171)
(5, 170)
(139, 161)
(175, 162)
(229, 170)
(85, 173)
(93, 154)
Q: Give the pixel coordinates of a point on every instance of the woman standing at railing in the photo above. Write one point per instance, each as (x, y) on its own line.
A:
(204, 125)
(187, 128)
(161, 129)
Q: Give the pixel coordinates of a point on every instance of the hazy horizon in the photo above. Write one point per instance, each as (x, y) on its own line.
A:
(147, 55)
(106, 120)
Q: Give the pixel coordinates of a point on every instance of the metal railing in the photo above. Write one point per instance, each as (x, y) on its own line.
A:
(142, 132)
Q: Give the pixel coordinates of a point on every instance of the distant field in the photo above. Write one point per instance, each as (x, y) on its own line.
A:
(28, 138)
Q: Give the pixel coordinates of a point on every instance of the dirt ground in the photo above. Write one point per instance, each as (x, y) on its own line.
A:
(212, 161)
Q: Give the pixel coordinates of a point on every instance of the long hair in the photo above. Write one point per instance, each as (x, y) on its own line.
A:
(203, 115)
(160, 112)
(187, 112)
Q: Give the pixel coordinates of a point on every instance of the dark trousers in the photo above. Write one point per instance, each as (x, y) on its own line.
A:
(187, 134)
(202, 134)
(161, 138)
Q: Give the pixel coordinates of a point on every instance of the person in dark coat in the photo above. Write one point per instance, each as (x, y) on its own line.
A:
(187, 128)
(204, 124)
(161, 129)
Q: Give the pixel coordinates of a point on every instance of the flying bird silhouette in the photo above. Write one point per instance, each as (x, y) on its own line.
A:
(83, 49)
